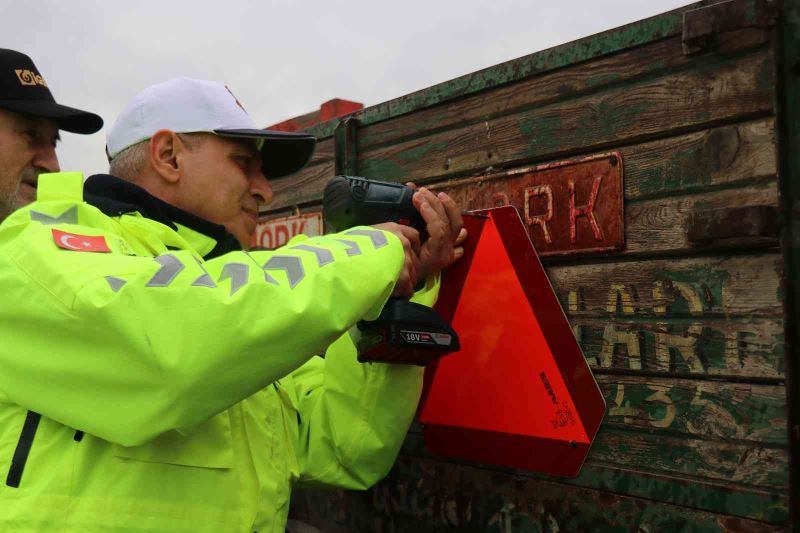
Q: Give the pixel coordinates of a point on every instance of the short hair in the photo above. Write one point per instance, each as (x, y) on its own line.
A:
(129, 163)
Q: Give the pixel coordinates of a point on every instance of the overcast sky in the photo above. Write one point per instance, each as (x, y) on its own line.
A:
(283, 58)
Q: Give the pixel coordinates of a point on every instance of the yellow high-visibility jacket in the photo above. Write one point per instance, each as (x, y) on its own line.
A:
(145, 388)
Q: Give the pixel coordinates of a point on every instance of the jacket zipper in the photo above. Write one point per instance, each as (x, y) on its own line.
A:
(23, 449)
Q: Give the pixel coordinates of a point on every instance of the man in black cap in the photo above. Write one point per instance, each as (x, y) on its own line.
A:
(29, 122)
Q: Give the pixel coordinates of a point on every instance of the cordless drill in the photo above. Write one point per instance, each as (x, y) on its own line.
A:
(405, 332)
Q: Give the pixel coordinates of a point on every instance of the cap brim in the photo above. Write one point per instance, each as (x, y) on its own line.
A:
(283, 152)
(68, 118)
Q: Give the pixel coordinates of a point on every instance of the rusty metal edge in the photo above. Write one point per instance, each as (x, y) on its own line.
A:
(665, 25)
(788, 115)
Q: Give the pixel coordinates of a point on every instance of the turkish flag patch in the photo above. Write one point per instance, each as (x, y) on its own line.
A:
(80, 243)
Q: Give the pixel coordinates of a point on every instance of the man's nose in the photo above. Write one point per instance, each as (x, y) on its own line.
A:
(261, 189)
(45, 157)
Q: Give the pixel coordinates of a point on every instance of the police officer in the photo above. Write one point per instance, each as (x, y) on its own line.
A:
(29, 122)
(155, 378)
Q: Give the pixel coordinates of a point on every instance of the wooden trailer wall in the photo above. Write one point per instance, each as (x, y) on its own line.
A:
(685, 328)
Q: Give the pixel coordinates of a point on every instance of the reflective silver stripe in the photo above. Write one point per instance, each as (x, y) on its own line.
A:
(291, 265)
(170, 268)
(204, 280)
(70, 216)
(115, 283)
(379, 240)
(323, 256)
(352, 246)
(237, 273)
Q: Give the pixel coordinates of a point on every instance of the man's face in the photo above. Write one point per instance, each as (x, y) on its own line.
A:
(225, 183)
(27, 149)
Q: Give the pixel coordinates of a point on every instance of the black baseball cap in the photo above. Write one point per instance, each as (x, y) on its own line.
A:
(22, 89)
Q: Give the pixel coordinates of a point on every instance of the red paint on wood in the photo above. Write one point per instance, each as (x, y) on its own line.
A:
(331, 109)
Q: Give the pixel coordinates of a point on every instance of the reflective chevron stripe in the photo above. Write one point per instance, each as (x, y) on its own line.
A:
(377, 237)
(70, 216)
(293, 267)
(170, 268)
(323, 256)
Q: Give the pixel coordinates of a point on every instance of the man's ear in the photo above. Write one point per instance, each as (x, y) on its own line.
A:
(165, 147)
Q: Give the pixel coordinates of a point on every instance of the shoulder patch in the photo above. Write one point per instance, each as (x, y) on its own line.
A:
(80, 243)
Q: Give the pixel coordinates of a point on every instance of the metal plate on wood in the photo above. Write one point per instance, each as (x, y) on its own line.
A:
(569, 207)
(276, 232)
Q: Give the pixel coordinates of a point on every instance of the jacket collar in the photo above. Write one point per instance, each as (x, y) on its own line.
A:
(114, 197)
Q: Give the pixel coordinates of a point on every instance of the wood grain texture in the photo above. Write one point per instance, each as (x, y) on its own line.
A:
(686, 339)
(684, 100)
(707, 287)
(693, 162)
(424, 494)
(623, 68)
(651, 226)
(740, 349)
(700, 409)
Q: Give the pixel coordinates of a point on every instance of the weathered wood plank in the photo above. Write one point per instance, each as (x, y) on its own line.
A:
(422, 494)
(700, 409)
(692, 162)
(700, 160)
(747, 286)
(651, 226)
(685, 491)
(629, 65)
(746, 464)
(744, 348)
(630, 36)
(729, 90)
(292, 191)
(724, 432)
(667, 466)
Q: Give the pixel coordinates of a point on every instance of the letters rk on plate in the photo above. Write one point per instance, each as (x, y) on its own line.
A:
(569, 207)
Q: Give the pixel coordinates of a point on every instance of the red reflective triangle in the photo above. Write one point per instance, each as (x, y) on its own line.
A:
(519, 393)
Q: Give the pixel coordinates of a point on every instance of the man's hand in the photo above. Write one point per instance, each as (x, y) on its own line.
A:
(404, 288)
(445, 228)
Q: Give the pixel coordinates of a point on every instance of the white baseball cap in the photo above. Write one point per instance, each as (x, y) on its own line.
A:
(186, 105)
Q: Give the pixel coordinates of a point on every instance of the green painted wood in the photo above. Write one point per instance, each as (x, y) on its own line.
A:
(619, 69)
(733, 349)
(725, 90)
(652, 227)
(749, 466)
(699, 287)
(701, 161)
(701, 410)
(596, 46)
(619, 467)
(423, 494)
(687, 341)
